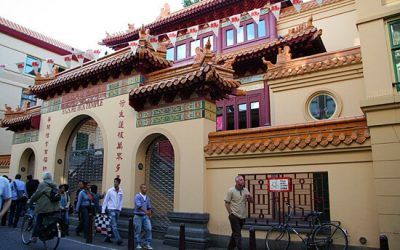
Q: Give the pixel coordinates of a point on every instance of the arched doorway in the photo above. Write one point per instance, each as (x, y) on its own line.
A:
(160, 161)
(80, 154)
(27, 164)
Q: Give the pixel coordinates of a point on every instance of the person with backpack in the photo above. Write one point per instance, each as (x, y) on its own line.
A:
(85, 207)
(47, 199)
(19, 198)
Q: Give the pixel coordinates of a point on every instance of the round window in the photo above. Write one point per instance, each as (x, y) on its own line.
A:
(322, 107)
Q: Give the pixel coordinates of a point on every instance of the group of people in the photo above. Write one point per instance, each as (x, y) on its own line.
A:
(16, 196)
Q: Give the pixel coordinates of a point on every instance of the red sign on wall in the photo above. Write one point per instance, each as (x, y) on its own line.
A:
(279, 184)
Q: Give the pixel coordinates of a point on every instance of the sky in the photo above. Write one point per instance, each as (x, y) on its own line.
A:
(82, 23)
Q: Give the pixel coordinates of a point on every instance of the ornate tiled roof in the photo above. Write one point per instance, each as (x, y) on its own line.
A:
(5, 161)
(344, 131)
(21, 119)
(203, 77)
(290, 10)
(143, 59)
(314, 63)
(304, 35)
(20, 31)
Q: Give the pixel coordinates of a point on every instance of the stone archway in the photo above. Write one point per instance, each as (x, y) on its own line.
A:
(80, 153)
(27, 164)
(156, 168)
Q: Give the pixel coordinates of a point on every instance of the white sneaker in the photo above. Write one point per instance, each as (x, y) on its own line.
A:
(148, 247)
(139, 247)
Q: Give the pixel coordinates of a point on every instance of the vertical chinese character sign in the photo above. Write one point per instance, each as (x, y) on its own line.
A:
(120, 136)
(46, 144)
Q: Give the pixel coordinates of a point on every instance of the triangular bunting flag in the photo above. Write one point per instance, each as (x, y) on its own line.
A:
(214, 25)
(96, 54)
(134, 46)
(193, 31)
(154, 42)
(297, 4)
(276, 10)
(50, 64)
(172, 37)
(320, 2)
(20, 67)
(80, 58)
(235, 20)
(35, 66)
(255, 14)
(67, 60)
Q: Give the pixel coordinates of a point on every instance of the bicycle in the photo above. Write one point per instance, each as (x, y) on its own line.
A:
(50, 233)
(322, 236)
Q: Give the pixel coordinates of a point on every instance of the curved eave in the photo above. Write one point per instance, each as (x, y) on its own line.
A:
(124, 62)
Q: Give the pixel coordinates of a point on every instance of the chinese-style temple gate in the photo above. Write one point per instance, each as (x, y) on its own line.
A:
(271, 99)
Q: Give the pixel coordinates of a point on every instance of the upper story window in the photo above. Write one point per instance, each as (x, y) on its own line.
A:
(28, 65)
(193, 45)
(181, 52)
(28, 98)
(248, 31)
(240, 112)
(185, 49)
(394, 30)
(170, 54)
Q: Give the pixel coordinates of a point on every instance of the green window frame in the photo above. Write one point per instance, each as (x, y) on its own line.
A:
(394, 33)
(82, 141)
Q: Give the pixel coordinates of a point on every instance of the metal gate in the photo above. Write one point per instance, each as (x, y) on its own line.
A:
(160, 181)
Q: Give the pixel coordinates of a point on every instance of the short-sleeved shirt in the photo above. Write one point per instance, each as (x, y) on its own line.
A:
(237, 199)
(5, 190)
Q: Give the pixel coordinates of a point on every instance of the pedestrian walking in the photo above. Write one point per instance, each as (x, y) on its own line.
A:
(19, 199)
(4, 218)
(112, 204)
(65, 202)
(141, 219)
(85, 207)
(235, 203)
(31, 186)
(5, 196)
(97, 197)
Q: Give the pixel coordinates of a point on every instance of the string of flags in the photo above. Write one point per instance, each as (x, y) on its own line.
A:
(216, 24)
(193, 32)
(80, 57)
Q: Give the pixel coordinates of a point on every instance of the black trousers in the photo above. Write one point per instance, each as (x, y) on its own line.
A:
(84, 220)
(15, 212)
(236, 237)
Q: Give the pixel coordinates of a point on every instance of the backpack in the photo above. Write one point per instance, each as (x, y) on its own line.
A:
(21, 195)
(54, 194)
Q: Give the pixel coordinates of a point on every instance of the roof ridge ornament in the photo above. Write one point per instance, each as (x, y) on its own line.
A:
(204, 55)
(284, 56)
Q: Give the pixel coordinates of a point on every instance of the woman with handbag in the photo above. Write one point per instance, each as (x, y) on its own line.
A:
(85, 207)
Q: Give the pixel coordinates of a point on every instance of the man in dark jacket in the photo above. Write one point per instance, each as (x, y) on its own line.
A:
(44, 206)
(31, 185)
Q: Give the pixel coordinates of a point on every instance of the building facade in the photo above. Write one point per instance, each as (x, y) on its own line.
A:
(295, 98)
(19, 44)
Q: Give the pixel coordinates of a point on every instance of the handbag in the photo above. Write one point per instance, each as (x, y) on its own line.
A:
(103, 224)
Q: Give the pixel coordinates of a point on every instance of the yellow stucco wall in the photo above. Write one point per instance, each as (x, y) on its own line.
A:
(350, 176)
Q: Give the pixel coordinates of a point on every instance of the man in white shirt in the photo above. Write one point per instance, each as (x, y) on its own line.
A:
(113, 203)
(5, 196)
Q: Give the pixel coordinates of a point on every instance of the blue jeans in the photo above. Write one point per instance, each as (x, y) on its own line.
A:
(114, 216)
(65, 216)
(142, 221)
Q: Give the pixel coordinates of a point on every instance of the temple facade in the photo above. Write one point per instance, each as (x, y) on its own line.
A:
(295, 101)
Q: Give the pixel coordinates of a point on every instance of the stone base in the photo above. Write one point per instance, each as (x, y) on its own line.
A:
(196, 231)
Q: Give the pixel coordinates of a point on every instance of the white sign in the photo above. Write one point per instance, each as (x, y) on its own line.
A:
(279, 185)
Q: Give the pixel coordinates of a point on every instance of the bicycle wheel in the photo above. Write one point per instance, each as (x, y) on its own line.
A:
(278, 238)
(27, 229)
(330, 236)
(52, 244)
